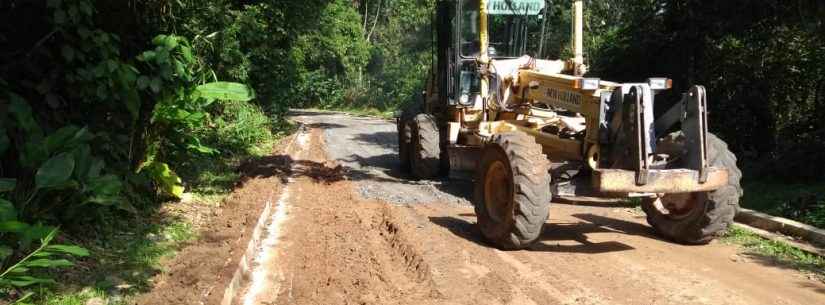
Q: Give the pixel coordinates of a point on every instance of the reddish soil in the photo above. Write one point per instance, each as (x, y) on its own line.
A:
(336, 247)
(341, 249)
(199, 273)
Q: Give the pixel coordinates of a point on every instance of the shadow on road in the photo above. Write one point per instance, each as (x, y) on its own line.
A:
(325, 125)
(284, 166)
(388, 165)
(383, 139)
(298, 112)
(554, 234)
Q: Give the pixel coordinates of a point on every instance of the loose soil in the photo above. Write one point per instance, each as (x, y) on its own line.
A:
(348, 238)
(199, 273)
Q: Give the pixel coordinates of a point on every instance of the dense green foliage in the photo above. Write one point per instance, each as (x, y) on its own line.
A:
(763, 63)
(96, 119)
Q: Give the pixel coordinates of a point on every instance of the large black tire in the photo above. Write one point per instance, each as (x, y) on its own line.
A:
(512, 192)
(712, 212)
(425, 148)
(405, 134)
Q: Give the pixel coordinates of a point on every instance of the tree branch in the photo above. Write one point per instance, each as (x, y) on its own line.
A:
(375, 21)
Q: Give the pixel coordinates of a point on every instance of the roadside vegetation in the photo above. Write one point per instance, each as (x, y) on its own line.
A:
(771, 251)
(800, 201)
(112, 112)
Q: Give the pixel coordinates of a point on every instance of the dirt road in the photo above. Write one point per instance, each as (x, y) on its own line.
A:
(350, 229)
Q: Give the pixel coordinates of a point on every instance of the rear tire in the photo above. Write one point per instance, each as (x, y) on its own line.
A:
(711, 212)
(512, 192)
(425, 148)
(404, 129)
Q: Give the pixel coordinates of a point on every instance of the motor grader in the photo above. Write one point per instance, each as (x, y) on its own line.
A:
(531, 130)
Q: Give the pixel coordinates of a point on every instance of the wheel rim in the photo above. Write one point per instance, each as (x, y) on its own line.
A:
(497, 192)
(678, 206)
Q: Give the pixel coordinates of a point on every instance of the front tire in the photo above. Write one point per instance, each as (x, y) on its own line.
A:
(512, 192)
(697, 218)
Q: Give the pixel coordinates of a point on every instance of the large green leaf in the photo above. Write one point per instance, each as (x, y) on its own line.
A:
(61, 138)
(68, 249)
(48, 263)
(7, 184)
(95, 168)
(7, 211)
(82, 161)
(127, 78)
(105, 185)
(55, 172)
(226, 91)
(13, 226)
(22, 113)
(5, 251)
(4, 141)
(133, 103)
(25, 280)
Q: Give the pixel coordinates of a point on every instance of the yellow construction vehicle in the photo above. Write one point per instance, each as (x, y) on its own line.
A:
(532, 130)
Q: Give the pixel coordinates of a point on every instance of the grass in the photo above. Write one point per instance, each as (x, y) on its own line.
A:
(124, 259)
(210, 181)
(776, 251)
(79, 298)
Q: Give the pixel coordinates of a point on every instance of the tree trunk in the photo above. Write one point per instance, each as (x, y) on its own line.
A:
(375, 20)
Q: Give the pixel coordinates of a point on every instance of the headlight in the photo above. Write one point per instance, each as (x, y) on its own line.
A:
(588, 84)
(660, 83)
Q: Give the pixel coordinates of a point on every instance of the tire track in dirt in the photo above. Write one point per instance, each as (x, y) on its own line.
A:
(643, 270)
(338, 248)
(341, 248)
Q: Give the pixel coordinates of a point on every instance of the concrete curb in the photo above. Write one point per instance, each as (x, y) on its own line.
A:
(768, 223)
(244, 270)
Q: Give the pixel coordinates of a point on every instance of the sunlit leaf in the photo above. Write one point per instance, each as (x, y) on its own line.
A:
(168, 182)
(226, 91)
(68, 249)
(48, 263)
